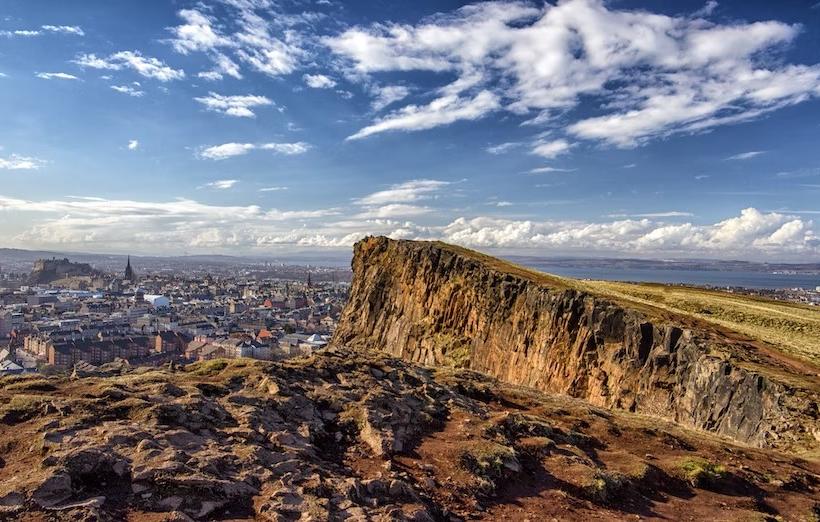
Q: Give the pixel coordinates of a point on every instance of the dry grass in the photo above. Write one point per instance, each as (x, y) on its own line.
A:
(793, 328)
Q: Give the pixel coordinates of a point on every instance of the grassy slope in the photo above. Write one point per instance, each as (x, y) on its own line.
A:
(792, 328)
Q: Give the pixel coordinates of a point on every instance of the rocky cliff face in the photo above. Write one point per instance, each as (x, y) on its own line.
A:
(440, 305)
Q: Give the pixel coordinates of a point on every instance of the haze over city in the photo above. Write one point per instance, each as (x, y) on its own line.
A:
(649, 129)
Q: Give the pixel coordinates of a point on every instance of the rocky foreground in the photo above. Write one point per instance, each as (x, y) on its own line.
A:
(354, 435)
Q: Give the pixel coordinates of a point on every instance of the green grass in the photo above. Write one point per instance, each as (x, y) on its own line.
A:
(488, 460)
(699, 472)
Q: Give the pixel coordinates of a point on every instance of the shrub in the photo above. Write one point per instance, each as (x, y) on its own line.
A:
(699, 472)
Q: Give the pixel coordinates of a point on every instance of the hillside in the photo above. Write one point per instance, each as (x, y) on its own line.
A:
(352, 435)
(717, 362)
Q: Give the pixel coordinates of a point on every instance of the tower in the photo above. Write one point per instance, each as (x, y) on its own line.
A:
(129, 272)
(309, 285)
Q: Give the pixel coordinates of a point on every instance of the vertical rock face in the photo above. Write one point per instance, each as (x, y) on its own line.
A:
(440, 305)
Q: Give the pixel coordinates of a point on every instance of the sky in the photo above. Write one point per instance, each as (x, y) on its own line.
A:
(583, 127)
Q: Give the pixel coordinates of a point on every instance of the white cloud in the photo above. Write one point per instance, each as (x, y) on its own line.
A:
(547, 170)
(229, 150)
(56, 76)
(746, 155)
(273, 189)
(237, 106)
(130, 91)
(551, 149)
(753, 233)
(143, 65)
(211, 76)
(503, 148)
(226, 150)
(17, 162)
(409, 191)
(222, 184)
(319, 81)
(388, 95)
(260, 37)
(20, 32)
(197, 33)
(650, 75)
(62, 29)
(668, 214)
(442, 111)
(393, 210)
(288, 149)
(133, 144)
(65, 29)
(184, 224)
(167, 226)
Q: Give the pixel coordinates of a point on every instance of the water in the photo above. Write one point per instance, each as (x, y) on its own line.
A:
(689, 277)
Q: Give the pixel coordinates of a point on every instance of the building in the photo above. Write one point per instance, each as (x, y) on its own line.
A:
(130, 275)
(171, 342)
(157, 301)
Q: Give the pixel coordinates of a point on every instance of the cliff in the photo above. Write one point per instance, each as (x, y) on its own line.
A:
(438, 304)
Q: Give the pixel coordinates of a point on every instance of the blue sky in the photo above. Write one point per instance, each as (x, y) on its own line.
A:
(651, 129)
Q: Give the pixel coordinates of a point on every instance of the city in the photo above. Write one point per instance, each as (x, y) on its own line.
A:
(67, 315)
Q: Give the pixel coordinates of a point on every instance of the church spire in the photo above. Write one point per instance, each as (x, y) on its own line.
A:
(129, 272)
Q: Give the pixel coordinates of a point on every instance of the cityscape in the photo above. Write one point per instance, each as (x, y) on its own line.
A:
(66, 314)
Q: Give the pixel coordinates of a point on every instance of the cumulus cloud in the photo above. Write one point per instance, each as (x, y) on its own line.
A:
(754, 232)
(56, 76)
(197, 33)
(183, 223)
(650, 75)
(229, 150)
(260, 36)
(143, 65)
(169, 226)
(319, 81)
(17, 162)
(133, 144)
(237, 106)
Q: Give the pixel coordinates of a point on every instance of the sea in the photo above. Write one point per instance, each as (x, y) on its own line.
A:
(714, 278)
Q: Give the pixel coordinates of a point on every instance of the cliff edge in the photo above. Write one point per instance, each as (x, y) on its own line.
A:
(438, 304)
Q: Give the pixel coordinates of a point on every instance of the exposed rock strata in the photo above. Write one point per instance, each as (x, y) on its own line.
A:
(437, 305)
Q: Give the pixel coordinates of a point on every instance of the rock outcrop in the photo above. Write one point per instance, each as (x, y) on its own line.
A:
(442, 305)
(49, 270)
(354, 435)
